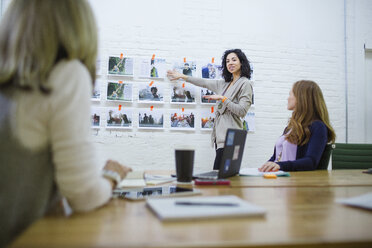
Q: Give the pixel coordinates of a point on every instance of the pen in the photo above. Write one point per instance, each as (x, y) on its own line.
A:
(219, 204)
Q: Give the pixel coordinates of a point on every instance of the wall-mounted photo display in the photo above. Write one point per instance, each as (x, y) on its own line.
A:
(182, 92)
(120, 66)
(188, 68)
(153, 68)
(119, 117)
(182, 119)
(119, 91)
(96, 95)
(211, 70)
(95, 117)
(151, 92)
(206, 92)
(250, 121)
(207, 119)
(150, 118)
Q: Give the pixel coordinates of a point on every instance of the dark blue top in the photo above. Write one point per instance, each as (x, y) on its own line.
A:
(308, 155)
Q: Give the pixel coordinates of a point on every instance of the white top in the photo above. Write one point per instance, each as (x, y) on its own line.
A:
(61, 120)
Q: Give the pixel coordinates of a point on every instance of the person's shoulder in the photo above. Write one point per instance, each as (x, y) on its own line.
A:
(318, 126)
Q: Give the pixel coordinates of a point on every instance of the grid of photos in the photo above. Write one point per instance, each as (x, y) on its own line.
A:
(207, 119)
(119, 117)
(119, 91)
(95, 117)
(122, 66)
(152, 92)
(150, 119)
(96, 95)
(211, 71)
(182, 120)
(188, 68)
(206, 92)
(250, 121)
(153, 68)
(183, 93)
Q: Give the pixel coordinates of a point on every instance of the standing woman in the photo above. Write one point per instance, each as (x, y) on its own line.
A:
(233, 93)
(304, 139)
(48, 55)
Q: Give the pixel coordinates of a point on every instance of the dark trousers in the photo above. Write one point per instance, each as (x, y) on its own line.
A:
(218, 159)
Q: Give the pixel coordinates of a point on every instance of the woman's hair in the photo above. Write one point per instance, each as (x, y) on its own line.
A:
(245, 66)
(310, 106)
(36, 34)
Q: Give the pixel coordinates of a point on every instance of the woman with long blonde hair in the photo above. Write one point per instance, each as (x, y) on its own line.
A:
(307, 133)
(47, 68)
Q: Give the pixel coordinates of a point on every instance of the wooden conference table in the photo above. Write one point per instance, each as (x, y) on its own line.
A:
(298, 214)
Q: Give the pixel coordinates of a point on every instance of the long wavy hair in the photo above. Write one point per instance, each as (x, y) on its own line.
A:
(310, 106)
(36, 34)
(245, 70)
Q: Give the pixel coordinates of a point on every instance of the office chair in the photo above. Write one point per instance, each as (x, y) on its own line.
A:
(324, 160)
(352, 156)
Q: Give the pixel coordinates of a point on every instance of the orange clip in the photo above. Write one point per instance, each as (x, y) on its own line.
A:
(153, 57)
(175, 114)
(184, 60)
(224, 99)
(120, 82)
(213, 60)
(121, 56)
(212, 110)
(151, 108)
(119, 107)
(183, 109)
(152, 82)
(269, 176)
(183, 85)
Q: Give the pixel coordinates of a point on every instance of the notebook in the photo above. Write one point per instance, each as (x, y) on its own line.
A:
(201, 207)
(231, 158)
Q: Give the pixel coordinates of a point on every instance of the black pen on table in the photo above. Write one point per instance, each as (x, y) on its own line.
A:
(222, 204)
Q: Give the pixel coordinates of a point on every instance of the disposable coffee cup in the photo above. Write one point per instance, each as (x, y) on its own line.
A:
(184, 164)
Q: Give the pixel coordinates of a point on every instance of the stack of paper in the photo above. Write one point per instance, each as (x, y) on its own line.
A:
(256, 173)
(133, 179)
(362, 201)
(202, 207)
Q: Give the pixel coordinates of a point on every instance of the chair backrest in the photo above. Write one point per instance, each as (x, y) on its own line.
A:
(324, 160)
(352, 156)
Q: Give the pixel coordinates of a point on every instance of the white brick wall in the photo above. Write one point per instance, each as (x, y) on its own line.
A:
(285, 40)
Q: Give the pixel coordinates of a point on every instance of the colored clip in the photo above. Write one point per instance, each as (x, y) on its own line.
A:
(213, 60)
(152, 82)
(184, 60)
(119, 107)
(183, 85)
(151, 108)
(120, 82)
(212, 110)
(153, 57)
(121, 56)
(183, 109)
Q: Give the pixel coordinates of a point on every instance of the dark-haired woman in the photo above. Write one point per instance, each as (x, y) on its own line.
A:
(233, 95)
(308, 131)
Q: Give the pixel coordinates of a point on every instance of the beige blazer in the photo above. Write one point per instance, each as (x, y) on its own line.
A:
(230, 113)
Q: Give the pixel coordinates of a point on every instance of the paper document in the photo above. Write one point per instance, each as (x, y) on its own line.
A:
(133, 179)
(256, 173)
(188, 208)
(362, 201)
(158, 179)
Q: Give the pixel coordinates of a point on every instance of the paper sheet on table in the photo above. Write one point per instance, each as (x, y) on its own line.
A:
(362, 201)
(254, 172)
(133, 179)
(158, 179)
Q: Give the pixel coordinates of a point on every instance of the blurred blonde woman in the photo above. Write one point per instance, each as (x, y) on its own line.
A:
(308, 131)
(47, 69)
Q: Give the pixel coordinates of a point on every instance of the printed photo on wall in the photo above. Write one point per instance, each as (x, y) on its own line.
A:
(151, 92)
(250, 121)
(206, 92)
(119, 117)
(95, 117)
(211, 71)
(182, 92)
(207, 119)
(119, 91)
(188, 68)
(96, 95)
(121, 66)
(182, 119)
(153, 68)
(150, 119)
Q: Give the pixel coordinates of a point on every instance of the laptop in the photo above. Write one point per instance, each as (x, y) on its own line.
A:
(231, 158)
